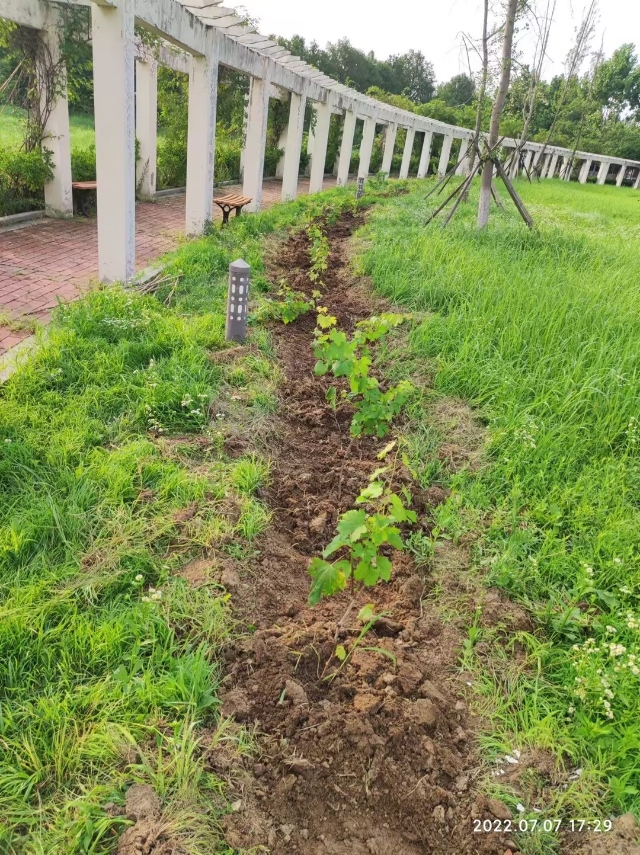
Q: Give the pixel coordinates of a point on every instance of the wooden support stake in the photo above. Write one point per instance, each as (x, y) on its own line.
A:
(465, 186)
(517, 201)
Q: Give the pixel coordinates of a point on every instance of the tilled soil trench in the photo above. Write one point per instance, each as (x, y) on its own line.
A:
(379, 760)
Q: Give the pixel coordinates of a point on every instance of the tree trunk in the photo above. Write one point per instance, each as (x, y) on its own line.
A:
(496, 113)
(483, 91)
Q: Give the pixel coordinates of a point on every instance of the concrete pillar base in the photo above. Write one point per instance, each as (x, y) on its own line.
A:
(113, 72)
(366, 147)
(443, 165)
(201, 143)
(146, 126)
(406, 154)
(323, 121)
(58, 194)
(255, 145)
(293, 147)
(425, 154)
(346, 147)
(390, 134)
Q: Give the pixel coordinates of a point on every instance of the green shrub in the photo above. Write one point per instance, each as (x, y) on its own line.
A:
(227, 165)
(271, 158)
(83, 163)
(23, 175)
(172, 161)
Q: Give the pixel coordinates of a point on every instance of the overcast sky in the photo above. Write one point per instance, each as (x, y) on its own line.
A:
(432, 26)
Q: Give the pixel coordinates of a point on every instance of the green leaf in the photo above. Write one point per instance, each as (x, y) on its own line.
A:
(393, 539)
(326, 321)
(366, 613)
(341, 653)
(378, 472)
(327, 579)
(353, 524)
(337, 543)
(373, 491)
(388, 447)
(384, 567)
(366, 572)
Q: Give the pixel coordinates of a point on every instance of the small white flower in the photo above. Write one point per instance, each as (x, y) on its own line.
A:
(139, 577)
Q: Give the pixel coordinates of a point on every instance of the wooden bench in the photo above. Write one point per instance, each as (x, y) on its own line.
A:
(231, 202)
(84, 189)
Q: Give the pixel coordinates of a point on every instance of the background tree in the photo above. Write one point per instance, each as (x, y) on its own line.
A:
(496, 112)
(458, 91)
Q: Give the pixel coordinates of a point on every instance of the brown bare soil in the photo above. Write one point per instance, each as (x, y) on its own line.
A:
(376, 758)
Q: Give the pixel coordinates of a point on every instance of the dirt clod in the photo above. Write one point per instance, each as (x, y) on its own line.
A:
(142, 802)
(499, 809)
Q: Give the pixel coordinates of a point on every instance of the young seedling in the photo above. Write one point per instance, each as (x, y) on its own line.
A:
(362, 533)
(351, 358)
(368, 618)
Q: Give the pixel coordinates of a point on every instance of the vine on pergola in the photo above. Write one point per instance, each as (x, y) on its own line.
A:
(39, 75)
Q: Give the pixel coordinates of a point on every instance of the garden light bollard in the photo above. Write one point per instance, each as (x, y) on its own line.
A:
(237, 300)
(360, 190)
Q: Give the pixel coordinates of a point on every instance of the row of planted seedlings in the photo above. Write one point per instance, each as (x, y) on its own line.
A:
(355, 557)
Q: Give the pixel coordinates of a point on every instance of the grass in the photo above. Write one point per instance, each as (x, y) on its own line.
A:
(108, 660)
(539, 331)
(12, 128)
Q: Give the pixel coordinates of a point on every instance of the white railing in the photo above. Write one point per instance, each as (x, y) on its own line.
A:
(208, 35)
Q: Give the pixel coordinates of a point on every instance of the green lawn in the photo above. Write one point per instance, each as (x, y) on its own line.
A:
(112, 477)
(108, 661)
(12, 126)
(541, 332)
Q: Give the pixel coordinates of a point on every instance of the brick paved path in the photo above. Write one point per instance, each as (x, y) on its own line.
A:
(51, 260)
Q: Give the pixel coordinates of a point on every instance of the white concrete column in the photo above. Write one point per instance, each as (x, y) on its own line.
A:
(346, 147)
(552, 166)
(584, 171)
(425, 154)
(565, 169)
(636, 183)
(512, 162)
(58, 196)
(389, 145)
(527, 161)
(323, 120)
(366, 147)
(407, 152)
(463, 165)
(256, 141)
(603, 171)
(113, 96)
(443, 165)
(201, 142)
(293, 146)
(621, 174)
(147, 126)
(536, 160)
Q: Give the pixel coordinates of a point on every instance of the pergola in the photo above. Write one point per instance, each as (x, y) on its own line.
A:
(208, 35)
